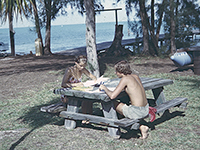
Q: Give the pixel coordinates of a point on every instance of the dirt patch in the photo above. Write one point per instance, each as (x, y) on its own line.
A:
(21, 73)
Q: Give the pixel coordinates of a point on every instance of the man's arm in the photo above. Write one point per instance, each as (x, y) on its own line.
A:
(113, 94)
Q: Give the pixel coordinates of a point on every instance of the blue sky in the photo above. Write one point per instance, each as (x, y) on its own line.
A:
(75, 18)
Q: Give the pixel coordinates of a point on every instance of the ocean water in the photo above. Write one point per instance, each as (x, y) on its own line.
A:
(63, 37)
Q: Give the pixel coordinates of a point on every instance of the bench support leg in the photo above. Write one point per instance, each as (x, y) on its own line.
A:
(71, 107)
(159, 95)
(109, 112)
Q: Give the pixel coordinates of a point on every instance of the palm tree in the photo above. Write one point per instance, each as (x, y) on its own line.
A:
(7, 9)
(47, 11)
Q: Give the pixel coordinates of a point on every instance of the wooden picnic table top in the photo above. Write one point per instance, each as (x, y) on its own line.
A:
(95, 94)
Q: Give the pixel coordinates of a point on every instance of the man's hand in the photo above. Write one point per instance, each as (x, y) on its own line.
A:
(102, 87)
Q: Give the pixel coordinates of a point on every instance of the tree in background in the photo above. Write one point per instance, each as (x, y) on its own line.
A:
(37, 22)
(144, 20)
(186, 18)
(172, 26)
(147, 25)
(89, 7)
(91, 37)
(48, 10)
(175, 16)
(8, 8)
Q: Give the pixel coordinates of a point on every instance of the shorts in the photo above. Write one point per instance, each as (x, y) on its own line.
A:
(134, 112)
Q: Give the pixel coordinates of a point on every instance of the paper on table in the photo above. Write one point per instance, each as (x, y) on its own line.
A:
(89, 83)
(98, 91)
(92, 82)
(102, 79)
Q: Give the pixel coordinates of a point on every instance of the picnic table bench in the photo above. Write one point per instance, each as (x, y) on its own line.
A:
(110, 118)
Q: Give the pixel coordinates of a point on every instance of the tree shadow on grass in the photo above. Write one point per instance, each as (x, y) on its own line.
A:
(165, 117)
(36, 119)
(184, 68)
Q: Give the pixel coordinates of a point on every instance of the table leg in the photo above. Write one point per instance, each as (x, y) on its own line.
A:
(109, 112)
(159, 95)
(71, 107)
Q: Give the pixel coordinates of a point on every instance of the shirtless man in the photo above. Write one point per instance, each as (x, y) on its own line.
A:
(131, 83)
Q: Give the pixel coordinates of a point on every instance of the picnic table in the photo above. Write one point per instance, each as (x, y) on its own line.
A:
(110, 118)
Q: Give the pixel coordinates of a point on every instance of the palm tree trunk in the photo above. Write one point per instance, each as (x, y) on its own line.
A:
(37, 24)
(116, 47)
(152, 16)
(172, 24)
(12, 39)
(91, 38)
(160, 20)
(47, 49)
(144, 27)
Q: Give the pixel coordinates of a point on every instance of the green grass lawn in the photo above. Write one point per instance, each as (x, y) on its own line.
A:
(23, 126)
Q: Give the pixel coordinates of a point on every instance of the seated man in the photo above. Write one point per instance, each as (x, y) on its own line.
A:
(132, 85)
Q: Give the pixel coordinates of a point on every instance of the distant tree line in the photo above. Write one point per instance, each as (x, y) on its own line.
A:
(178, 17)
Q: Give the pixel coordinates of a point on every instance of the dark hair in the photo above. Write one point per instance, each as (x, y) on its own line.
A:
(123, 67)
(81, 57)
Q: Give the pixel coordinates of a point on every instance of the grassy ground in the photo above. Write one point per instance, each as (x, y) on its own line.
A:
(24, 127)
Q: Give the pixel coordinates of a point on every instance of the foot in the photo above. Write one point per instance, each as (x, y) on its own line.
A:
(64, 99)
(144, 131)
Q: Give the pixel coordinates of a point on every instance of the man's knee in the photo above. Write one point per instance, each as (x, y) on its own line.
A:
(119, 107)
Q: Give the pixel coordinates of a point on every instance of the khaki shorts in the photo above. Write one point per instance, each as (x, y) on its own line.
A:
(134, 112)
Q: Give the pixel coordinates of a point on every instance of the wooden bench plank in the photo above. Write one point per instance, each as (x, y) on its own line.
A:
(149, 80)
(125, 122)
(168, 104)
(157, 84)
(90, 118)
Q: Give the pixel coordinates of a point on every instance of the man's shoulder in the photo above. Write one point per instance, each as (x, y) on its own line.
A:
(129, 77)
(135, 75)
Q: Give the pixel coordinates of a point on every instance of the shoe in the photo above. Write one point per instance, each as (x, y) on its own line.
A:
(57, 108)
(54, 108)
(45, 108)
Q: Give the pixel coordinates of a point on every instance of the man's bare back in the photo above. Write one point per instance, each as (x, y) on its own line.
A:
(135, 90)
